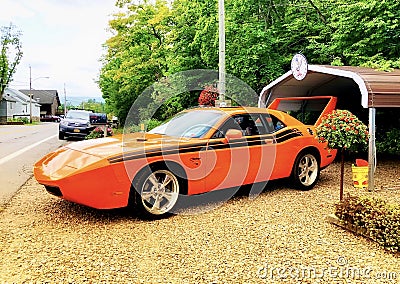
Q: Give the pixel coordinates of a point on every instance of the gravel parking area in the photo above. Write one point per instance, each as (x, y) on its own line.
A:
(282, 236)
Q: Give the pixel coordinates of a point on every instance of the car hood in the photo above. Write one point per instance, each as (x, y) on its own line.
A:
(71, 120)
(90, 154)
(127, 144)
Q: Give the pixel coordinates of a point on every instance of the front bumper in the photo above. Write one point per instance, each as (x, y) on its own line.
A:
(83, 178)
(75, 131)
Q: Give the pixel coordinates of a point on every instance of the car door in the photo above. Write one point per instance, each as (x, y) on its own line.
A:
(241, 160)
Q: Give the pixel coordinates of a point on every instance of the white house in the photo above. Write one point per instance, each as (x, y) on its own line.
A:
(15, 104)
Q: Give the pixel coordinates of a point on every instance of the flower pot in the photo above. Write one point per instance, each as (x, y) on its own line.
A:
(360, 176)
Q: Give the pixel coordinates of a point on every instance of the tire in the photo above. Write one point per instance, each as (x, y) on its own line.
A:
(61, 136)
(306, 170)
(156, 193)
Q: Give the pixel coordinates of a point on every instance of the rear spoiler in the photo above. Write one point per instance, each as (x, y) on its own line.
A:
(301, 105)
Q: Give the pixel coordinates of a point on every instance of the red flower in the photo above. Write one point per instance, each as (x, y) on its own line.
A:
(208, 96)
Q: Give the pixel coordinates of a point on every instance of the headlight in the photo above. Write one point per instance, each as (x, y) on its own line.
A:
(65, 123)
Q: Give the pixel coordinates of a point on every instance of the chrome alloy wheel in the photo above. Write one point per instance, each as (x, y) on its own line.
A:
(160, 192)
(307, 170)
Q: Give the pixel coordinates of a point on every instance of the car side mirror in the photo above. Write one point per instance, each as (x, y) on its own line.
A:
(233, 134)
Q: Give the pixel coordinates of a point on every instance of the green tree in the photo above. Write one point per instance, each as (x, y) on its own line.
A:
(93, 105)
(366, 33)
(11, 54)
(136, 54)
(154, 40)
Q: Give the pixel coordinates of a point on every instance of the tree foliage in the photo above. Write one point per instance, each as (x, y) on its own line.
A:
(11, 54)
(152, 40)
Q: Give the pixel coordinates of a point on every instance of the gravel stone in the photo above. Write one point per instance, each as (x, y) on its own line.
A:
(281, 236)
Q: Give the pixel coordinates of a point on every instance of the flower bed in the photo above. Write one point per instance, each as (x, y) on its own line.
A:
(373, 218)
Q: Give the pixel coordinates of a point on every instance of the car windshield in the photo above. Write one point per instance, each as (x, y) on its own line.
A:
(78, 115)
(193, 124)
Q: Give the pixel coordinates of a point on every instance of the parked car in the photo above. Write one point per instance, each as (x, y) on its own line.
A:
(75, 124)
(197, 151)
(50, 118)
(79, 123)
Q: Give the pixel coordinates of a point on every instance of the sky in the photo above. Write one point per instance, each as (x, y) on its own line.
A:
(62, 40)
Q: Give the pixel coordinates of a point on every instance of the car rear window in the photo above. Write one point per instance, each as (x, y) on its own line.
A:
(306, 111)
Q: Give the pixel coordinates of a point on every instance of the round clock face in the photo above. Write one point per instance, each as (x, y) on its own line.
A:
(299, 66)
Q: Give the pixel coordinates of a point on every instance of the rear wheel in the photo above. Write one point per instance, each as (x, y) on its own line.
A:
(306, 170)
(156, 193)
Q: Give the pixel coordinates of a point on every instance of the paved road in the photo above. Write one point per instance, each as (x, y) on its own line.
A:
(20, 147)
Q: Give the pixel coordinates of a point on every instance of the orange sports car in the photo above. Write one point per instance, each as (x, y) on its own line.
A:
(197, 151)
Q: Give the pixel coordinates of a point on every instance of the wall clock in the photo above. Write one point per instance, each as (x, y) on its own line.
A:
(299, 66)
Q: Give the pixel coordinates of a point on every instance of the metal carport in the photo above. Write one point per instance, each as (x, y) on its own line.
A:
(352, 85)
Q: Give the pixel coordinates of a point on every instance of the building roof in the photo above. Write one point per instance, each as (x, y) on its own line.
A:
(17, 96)
(377, 88)
(43, 96)
(8, 98)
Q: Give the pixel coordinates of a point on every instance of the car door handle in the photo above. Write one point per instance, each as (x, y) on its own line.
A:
(269, 141)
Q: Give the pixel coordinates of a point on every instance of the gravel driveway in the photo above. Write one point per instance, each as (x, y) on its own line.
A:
(282, 236)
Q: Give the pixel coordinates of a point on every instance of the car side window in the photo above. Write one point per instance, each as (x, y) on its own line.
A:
(273, 123)
(249, 125)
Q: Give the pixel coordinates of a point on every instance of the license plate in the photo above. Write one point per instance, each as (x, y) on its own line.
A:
(77, 130)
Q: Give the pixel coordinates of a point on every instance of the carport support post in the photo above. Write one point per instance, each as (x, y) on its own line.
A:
(371, 149)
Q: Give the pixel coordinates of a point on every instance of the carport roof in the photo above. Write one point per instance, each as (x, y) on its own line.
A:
(377, 88)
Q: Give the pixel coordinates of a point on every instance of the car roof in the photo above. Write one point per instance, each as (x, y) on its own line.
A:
(80, 110)
(231, 111)
(236, 109)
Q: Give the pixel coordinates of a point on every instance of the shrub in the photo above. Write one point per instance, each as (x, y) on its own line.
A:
(380, 219)
(389, 143)
(152, 123)
(148, 125)
(98, 133)
(24, 120)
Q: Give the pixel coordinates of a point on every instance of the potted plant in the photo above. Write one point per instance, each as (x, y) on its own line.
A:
(342, 130)
(208, 96)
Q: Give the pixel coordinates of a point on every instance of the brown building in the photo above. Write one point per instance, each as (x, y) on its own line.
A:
(48, 99)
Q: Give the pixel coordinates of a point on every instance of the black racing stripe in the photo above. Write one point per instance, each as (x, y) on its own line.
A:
(214, 145)
(140, 153)
(287, 135)
(156, 152)
(175, 150)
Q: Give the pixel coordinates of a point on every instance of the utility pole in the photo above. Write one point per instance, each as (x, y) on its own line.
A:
(221, 53)
(30, 91)
(30, 94)
(65, 101)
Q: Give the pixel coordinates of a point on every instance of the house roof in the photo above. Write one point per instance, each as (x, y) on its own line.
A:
(377, 88)
(17, 96)
(8, 98)
(43, 96)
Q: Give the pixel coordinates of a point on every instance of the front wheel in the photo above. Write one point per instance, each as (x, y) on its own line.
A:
(306, 170)
(156, 192)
